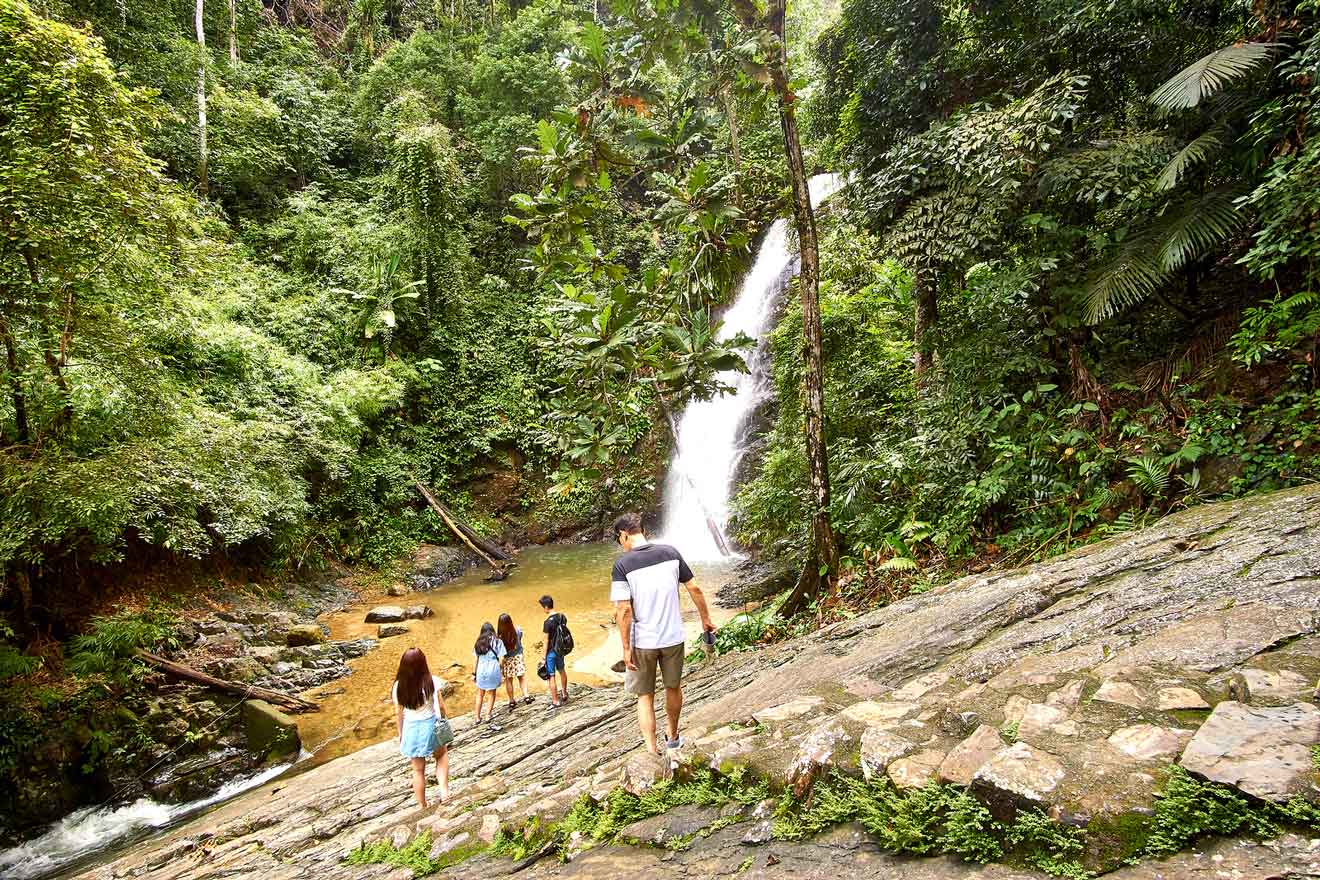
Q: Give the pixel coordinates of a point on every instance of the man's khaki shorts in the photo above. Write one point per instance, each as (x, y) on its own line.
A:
(641, 681)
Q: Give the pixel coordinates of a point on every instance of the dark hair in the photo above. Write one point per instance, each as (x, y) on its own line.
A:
(508, 635)
(486, 640)
(628, 522)
(416, 686)
(547, 602)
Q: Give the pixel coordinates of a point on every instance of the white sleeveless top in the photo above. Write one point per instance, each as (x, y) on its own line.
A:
(422, 713)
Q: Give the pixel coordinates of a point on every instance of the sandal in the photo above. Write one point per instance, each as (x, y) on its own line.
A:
(528, 699)
(512, 705)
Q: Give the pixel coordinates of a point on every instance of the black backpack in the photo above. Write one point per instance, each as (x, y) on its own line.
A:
(563, 638)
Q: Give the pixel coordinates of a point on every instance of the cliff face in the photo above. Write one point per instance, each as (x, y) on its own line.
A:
(1067, 689)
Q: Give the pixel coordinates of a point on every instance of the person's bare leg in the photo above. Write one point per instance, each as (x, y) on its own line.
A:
(481, 695)
(673, 707)
(646, 718)
(442, 771)
(522, 683)
(563, 685)
(419, 780)
(508, 687)
(550, 689)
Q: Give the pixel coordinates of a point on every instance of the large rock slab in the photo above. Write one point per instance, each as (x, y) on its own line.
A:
(1264, 752)
(880, 748)
(970, 755)
(1146, 742)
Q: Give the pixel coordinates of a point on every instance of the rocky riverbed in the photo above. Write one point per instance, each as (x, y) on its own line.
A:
(1069, 690)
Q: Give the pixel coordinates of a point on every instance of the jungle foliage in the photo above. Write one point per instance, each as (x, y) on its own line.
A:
(1097, 223)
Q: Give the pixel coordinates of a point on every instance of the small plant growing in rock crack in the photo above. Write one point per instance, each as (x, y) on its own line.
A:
(415, 855)
(1049, 846)
(1009, 732)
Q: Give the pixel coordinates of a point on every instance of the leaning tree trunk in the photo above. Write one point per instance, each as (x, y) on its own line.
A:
(203, 183)
(735, 147)
(823, 558)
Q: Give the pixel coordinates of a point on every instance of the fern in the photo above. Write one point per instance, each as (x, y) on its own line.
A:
(1150, 474)
(1210, 74)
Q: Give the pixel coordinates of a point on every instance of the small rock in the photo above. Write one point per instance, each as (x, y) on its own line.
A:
(449, 843)
(395, 590)
(303, 634)
(1021, 772)
(1146, 741)
(1281, 685)
(385, 614)
(1264, 752)
(386, 630)
(761, 832)
(399, 836)
(1238, 688)
(643, 771)
(919, 686)
(916, 770)
(877, 712)
(1040, 718)
(1172, 698)
(1014, 708)
(795, 708)
(417, 612)
(490, 827)
(880, 748)
(959, 724)
(1068, 696)
(967, 757)
(817, 751)
(1121, 692)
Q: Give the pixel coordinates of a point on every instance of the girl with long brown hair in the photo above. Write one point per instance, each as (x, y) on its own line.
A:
(513, 664)
(420, 719)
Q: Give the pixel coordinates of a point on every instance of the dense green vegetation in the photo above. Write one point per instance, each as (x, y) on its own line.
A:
(1074, 286)
(263, 265)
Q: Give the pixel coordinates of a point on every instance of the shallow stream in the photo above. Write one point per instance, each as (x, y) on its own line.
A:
(356, 712)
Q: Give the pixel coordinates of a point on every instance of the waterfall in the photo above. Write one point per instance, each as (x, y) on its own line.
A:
(712, 433)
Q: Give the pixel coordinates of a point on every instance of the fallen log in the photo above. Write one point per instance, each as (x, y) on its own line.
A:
(462, 529)
(496, 570)
(187, 673)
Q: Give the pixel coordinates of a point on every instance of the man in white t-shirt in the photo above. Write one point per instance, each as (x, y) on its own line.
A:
(644, 589)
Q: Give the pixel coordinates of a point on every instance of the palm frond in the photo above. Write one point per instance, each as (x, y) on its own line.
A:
(1210, 74)
(1149, 258)
(1201, 224)
(1196, 152)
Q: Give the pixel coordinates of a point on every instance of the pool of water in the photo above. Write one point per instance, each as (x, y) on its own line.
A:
(356, 711)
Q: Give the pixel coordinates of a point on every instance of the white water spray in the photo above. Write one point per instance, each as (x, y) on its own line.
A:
(712, 433)
(86, 832)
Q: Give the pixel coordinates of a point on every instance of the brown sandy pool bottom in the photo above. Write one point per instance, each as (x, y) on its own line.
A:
(356, 712)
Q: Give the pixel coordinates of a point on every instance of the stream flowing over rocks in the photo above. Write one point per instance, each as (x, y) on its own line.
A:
(1071, 686)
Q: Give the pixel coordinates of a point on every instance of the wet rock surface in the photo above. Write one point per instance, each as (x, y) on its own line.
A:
(1091, 653)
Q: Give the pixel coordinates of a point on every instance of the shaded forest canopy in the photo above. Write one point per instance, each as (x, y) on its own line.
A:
(264, 265)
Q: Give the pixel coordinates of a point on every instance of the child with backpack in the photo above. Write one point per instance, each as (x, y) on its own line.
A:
(558, 642)
(489, 651)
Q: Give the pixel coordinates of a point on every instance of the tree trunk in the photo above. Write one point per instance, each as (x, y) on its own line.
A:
(927, 312)
(233, 31)
(202, 180)
(187, 673)
(823, 558)
(735, 147)
(15, 383)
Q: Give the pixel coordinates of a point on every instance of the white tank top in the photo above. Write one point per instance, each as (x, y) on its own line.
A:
(428, 710)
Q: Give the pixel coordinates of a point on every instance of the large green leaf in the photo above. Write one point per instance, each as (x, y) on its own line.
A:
(1210, 74)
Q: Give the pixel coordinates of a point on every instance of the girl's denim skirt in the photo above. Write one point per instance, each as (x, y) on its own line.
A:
(419, 739)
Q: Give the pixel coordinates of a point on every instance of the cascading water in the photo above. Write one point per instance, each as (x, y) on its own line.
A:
(84, 833)
(711, 433)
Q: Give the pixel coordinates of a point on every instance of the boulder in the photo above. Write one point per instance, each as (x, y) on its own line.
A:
(385, 614)
(303, 634)
(490, 827)
(386, 630)
(448, 843)
(417, 612)
(643, 771)
(1261, 751)
(1020, 773)
(269, 731)
(964, 759)
(395, 590)
(880, 748)
(817, 751)
(916, 770)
